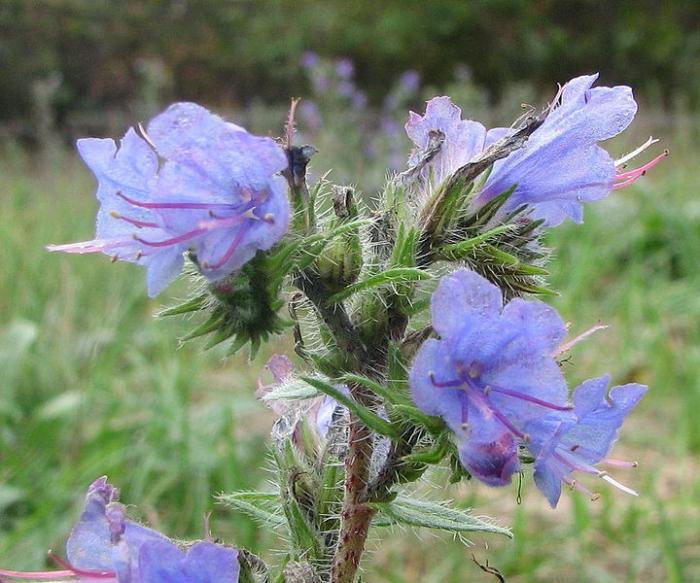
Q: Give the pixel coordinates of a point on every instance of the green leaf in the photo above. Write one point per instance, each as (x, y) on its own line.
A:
(303, 534)
(261, 506)
(378, 389)
(390, 276)
(441, 516)
(434, 425)
(366, 415)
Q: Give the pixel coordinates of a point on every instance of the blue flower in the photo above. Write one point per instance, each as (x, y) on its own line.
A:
(190, 181)
(105, 547)
(563, 443)
(491, 371)
(463, 139)
(560, 166)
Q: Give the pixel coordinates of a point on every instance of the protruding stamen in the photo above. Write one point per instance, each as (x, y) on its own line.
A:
(444, 384)
(576, 485)
(620, 463)
(527, 398)
(617, 484)
(173, 241)
(135, 222)
(634, 153)
(221, 223)
(571, 343)
(36, 574)
(627, 178)
(230, 251)
(177, 205)
(80, 572)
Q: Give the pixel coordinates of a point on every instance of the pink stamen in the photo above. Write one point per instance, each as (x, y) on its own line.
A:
(445, 384)
(574, 464)
(81, 572)
(176, 205)
(571, 343)
(220, 223)
(503, 419)
(528, 398)
(94, 246)
(230, 251)
(135, 222)
(627, 178)
(619, 463)
(174, 241)
(36, 574)
(575, 485)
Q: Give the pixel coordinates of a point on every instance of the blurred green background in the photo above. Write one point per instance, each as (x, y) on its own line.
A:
(91, 383)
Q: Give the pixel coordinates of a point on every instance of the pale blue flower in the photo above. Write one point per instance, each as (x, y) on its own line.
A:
(189, 182)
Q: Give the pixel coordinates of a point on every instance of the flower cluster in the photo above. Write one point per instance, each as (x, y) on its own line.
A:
(560, 166)
(493, 378)
(188, 182)
(104, 546)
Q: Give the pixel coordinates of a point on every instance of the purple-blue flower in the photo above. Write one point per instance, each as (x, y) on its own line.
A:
(491, 371)
(575, 441)
(189, 181)
(560, 167)
(104, 546)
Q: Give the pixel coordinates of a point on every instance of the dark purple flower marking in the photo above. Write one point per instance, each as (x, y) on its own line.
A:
(491, 371)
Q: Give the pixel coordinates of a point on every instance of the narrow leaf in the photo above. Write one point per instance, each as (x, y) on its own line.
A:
(261, 506)
(395, 275)
(439, 516)
(366, 415)
(378, 389)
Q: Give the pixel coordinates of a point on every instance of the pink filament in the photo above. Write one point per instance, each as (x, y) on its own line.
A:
(80, 572)
(529, 399)
(626, 178)
(231, 249)
(173, 241)
(134, 222)
(176, 205)
(36, 574)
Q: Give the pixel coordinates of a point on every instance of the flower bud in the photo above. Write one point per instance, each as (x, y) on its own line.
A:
(340, 262)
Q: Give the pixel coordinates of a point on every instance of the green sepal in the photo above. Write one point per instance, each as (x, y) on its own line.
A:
(435, 454)
(434, 425)
(422, 513)
(460, 250)
(366, 415)
(192, 305)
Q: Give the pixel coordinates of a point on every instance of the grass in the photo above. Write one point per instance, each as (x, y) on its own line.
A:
(91, 384)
